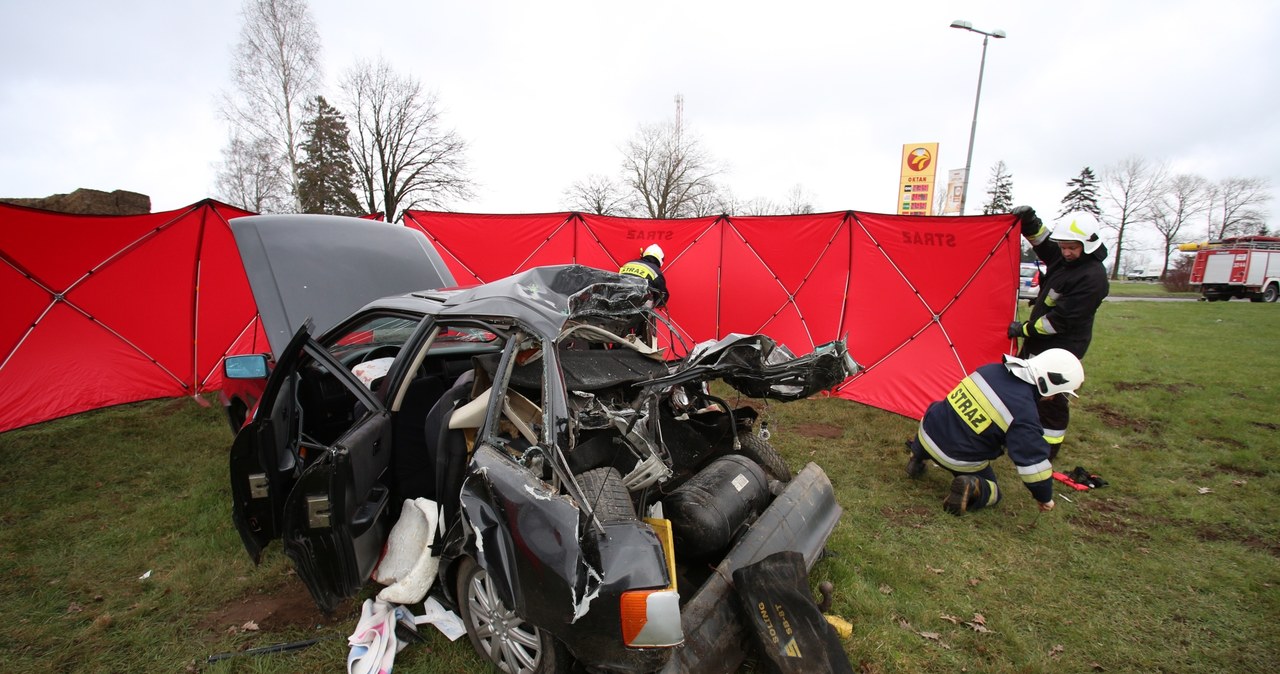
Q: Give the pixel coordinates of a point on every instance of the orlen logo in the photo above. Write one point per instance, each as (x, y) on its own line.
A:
(919, 159)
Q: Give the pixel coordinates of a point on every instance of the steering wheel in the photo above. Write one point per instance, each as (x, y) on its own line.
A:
(384, 351)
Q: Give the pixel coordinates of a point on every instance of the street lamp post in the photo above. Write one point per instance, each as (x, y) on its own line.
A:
(968, 161)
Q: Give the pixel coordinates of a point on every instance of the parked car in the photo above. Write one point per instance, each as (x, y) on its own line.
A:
(1029, 280)
(595, 495)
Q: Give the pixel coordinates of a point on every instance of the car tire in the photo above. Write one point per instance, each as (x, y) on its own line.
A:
(608, 496)
(1271, 294)
(759, 450)
(499, 635)
(236, 413)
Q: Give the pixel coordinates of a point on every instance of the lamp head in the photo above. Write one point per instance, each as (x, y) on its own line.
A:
(960, 23)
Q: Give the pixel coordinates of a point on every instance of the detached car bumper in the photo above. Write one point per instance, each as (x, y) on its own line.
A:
(800, 519)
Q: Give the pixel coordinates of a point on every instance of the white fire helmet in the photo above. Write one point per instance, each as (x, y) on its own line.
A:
(1078, 226)
(1052, 372)
(654, 250)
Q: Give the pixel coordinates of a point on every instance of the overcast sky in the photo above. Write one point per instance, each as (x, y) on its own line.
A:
(123, 95)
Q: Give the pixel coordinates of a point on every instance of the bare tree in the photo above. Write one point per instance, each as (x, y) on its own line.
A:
(714, 201)
(275, 68)
(1129, 188)
(250, 177)
(403, 159)
(758, 206)
(1241, 206)
(799, 201)
(1184, 197)
(669, 173)
(597, 194)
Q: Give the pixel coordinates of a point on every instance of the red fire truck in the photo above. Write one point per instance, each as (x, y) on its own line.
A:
(1243, 266)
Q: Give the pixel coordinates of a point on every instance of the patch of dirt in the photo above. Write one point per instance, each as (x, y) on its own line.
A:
(289, 606)
(1106, 517)
(818, 430)
(1144, 385)
(1227, 442)
(1232, 535)
(911, 516)
(1237, 470)
(1103, 506)
(1116, 419)
(1266, 425)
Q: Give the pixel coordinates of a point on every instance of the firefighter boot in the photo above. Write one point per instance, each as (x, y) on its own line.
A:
(916, 464)
(964, 490)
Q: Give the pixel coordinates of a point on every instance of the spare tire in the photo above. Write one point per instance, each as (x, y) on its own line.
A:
(759, 450)
(606, 494)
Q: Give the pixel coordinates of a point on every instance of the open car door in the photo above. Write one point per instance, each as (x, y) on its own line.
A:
(311, 469)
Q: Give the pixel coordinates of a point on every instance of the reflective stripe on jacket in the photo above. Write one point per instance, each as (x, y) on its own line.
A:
(639, 268)
(987, 413)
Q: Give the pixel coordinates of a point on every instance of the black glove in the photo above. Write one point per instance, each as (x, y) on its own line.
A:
(1016, 329)
(1027, 217)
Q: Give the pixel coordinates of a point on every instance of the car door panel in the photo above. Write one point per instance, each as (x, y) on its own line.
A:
(338, 516)
(299, 475)
(265, 456)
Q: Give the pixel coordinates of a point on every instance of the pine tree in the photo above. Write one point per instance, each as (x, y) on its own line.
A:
(999, 191)
(1083, 195)
(326, 174)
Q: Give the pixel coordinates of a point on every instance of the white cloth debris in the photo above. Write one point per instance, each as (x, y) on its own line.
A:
(371, 371)
(374, 644)
(409, 567)
(442, 618)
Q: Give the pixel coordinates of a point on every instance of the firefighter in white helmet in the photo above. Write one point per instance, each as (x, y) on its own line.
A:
(649, 267)
(991, 412)
(1071, 290)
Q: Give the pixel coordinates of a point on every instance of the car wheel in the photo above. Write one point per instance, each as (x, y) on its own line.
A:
(1271, 294)
(759, 450)
(607, 494)
(498, 634)
(236, 413)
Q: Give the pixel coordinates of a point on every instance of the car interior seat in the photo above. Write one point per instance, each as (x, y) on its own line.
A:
(448, 447)
(412, 462)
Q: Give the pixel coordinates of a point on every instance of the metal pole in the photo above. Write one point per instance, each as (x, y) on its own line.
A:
(964, 196)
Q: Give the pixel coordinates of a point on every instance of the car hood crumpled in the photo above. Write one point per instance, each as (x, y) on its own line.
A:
(759, 367)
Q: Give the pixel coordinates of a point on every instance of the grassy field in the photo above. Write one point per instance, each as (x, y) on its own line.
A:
(1146, 289)
(117, 552)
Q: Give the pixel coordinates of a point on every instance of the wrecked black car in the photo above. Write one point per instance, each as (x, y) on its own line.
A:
(594, 496)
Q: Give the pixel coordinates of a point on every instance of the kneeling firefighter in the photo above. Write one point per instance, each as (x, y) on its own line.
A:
(991, 411)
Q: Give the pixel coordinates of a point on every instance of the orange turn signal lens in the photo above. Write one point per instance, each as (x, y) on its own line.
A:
(651, 618)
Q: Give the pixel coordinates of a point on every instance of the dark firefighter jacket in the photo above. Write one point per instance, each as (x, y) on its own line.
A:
(990, 411)
(1070, 294)
(648, 268)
